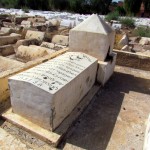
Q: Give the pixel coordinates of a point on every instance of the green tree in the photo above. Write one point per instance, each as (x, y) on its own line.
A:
(132, 6)
(147, 5)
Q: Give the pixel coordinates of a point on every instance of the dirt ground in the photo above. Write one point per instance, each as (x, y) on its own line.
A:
(115, 119)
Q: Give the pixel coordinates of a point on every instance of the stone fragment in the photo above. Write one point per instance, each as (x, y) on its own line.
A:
(146, 47)
(144, 41)
(125, 48)
(53, 22)
(6, 50)
(137, 47)
(27, 42)
(93, 36)
(35, 35)
(6, 30)
(106, 69)
(26, 23)
(48, 45)
(48, 50)
(124, 41)
(12, 39)
(30, 53)
(47, 93)
(60, 39)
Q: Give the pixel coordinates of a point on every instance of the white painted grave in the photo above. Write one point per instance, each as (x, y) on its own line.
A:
(47, 93)
(93, 36)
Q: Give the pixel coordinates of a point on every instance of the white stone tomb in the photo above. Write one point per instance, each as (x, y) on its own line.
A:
(47, 93)
(93, 36)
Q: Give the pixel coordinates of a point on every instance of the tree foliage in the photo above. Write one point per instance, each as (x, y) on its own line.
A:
(147, 5)
(79, 6)
(132, 6)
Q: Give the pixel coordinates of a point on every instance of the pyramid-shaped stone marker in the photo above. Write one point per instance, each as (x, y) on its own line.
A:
(47, 93)
(93, 36)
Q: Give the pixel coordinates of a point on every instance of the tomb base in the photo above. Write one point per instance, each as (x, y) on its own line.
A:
(52, 137)
(106, 69)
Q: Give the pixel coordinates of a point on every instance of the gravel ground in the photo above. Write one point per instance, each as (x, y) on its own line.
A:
(115, 120)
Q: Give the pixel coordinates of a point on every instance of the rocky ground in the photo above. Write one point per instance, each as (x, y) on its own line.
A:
(115, 120)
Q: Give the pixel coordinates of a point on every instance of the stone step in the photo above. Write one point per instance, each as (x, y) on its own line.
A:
(9, 142)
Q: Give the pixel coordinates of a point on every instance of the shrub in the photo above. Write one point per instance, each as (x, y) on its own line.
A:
(25, 9)
(128, 22)
(112, 16)
(120, 10)
(142, 31)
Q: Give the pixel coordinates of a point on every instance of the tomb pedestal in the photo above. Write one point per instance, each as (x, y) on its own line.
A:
(106, 69)
(47, 93)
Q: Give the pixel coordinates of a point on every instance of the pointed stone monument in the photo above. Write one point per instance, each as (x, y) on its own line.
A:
(93, 36)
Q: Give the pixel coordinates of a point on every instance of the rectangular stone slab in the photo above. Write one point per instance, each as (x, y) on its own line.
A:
(46, 94)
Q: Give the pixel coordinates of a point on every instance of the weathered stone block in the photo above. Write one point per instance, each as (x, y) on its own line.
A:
(30, 53)
(12, 39)
(60, 39)
(35, 35)
(6, 50)
(46, 94)
(106, 69)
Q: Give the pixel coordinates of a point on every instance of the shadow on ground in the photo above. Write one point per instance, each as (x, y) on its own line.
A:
(96, 124)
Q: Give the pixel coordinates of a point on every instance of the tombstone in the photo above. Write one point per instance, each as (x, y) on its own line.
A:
(26, 23)
(40, 48)
(12, 39)
(6, 50)
(6, 30)
(27, 53)
(93, 36)
(61, 40)
(53, 22)
(47, 93)
(48, 45)
(35, 35)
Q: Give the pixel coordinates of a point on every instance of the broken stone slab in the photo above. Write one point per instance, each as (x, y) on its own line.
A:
(52, 46)
(47, 93)
(9, 24)
(52, 22)
(48, 45)
(6, 30)
(35, 35)
(106, 69)
(137, 48)
(61, 40)
(49, 51)
(19, 19)
(12, 39)
(124, 41)
(26, 23)
(125, 48)
(27, 53)
(6, 50)
(144, 41)
(93, 36)
(27, 42)
(146, 47)
(134, 39)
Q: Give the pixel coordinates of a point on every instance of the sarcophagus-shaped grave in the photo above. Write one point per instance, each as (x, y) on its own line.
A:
(47, 93)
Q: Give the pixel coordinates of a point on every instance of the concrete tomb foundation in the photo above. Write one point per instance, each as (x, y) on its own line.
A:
(106, 69)
(47, 93)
